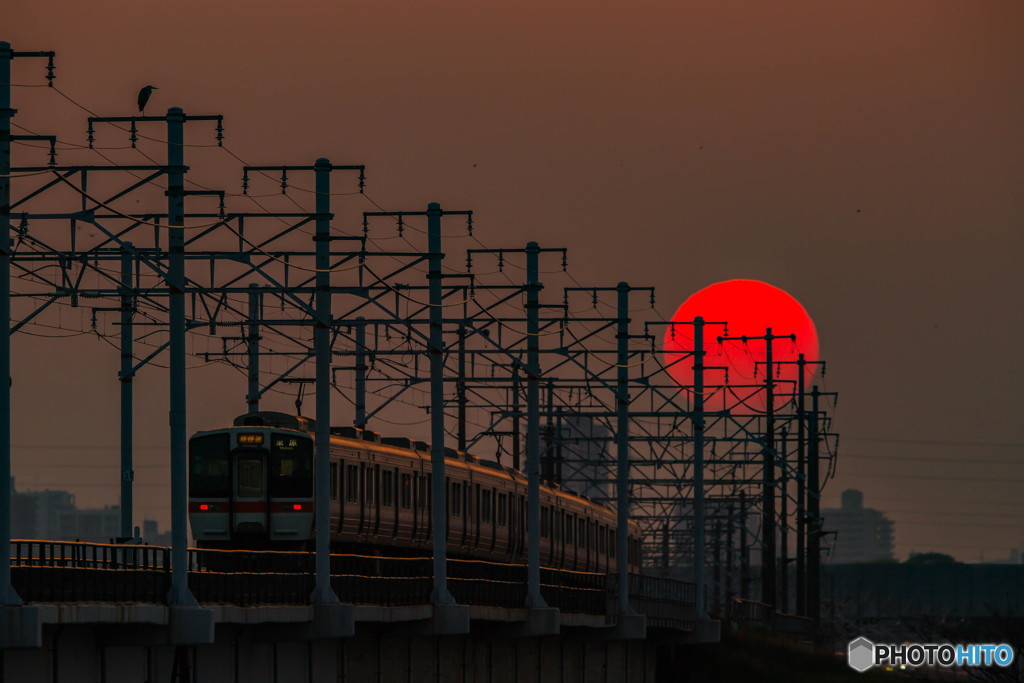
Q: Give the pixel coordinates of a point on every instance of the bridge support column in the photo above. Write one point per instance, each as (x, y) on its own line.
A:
(20, 627)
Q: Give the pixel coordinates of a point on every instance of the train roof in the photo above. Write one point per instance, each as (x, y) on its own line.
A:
(275, 419)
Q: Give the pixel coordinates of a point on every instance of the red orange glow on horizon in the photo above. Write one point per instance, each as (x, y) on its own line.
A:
(749, 308)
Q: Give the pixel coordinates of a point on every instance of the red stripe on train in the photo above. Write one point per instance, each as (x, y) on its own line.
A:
(250, 506)
(224, 506)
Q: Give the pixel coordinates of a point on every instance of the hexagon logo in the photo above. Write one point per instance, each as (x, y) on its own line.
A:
(861, 654)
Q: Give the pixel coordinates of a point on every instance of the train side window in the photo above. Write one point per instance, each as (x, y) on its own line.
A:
(456, 499)
(352, 481)
(502, 512)
(545, 520)
(569, 520)
(387, 487)
(405, 492)
(334, 481)
(556, 526)
(582, 536)
(369, 486)
(485, 506)
(601, 540)
(611, 543)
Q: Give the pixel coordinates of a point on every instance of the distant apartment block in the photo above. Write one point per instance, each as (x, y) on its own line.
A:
(53, 515)
(855, 533)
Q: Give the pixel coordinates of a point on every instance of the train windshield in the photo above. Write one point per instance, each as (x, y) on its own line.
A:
(209, 466)
(291, 466)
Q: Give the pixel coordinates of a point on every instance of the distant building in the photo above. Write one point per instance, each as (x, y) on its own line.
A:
(578, 458)
(54, 516)
(856, 533)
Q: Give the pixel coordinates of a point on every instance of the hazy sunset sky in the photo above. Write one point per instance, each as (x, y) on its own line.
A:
(865, 156)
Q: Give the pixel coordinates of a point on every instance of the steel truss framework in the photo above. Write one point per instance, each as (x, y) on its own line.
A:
(476, 349)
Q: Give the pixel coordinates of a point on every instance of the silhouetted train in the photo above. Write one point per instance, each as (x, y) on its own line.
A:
(251, 486)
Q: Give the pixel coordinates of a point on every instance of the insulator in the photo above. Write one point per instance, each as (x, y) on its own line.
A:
(245, 181)
(220, 131)
(90, 133)
(469, 225)
(362, 178)
(133, 138)
(49, 72)
(284, 181)
(401, 226)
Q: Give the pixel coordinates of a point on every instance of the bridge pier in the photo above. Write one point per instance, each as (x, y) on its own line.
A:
(281, 644)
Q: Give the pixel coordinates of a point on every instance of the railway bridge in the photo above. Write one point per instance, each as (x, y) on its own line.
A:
(98, 612)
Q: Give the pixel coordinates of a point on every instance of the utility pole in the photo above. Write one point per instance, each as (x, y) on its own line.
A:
(125, 376)
(768, 549)
(717, 570)
(801, 492)
(814, 516)
(460, 387)
(439, 502)
(8, 596)
(783, 526)
(253, 347)
(360, 369)
(744, 550)
(730, 550)
(698, 468)
(534, 599)
(622, 442)
(323, 321)
(515, 418)
(179, 595)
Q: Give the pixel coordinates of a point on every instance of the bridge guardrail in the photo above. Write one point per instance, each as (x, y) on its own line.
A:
(67, 571)
(61, 571)
(666, 602)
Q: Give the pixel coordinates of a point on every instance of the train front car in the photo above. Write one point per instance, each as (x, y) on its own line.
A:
(251, 486)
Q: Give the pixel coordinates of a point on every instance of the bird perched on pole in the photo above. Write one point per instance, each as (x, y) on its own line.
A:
(144, 95)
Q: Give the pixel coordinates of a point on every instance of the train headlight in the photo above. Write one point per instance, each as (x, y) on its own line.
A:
(250, 439)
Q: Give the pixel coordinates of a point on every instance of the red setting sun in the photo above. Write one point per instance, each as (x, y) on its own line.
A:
(749, 308)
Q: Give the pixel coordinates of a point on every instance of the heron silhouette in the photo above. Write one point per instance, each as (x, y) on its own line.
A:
(144, 95)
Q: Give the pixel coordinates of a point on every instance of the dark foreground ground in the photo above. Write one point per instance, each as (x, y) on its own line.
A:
(753, 655)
